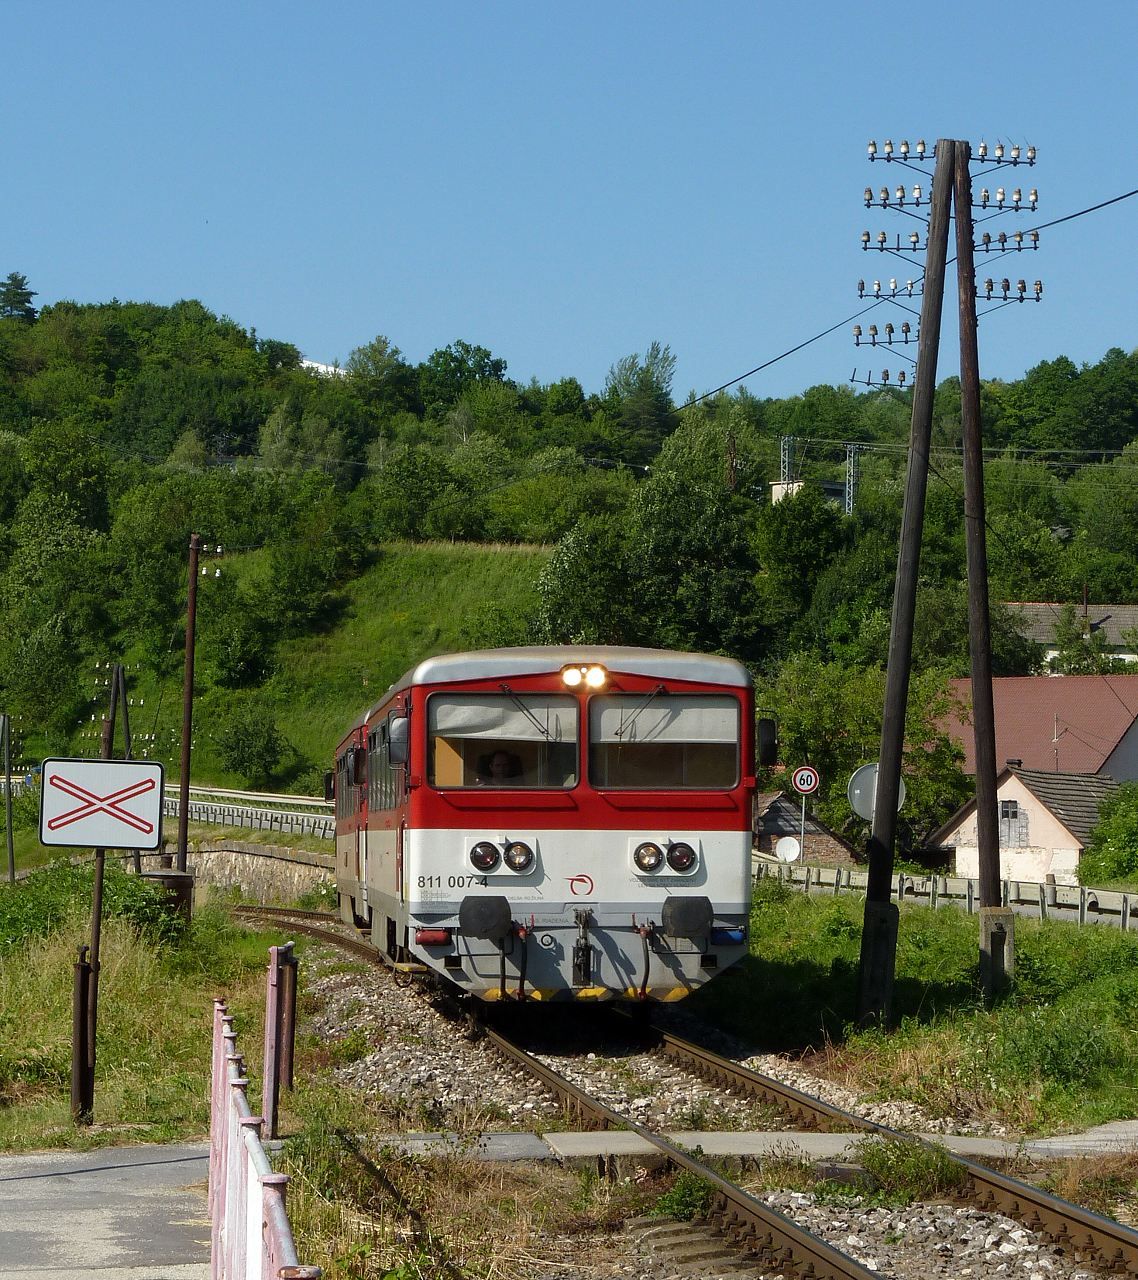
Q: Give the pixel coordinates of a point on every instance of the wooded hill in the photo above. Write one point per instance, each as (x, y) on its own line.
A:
(616, 516)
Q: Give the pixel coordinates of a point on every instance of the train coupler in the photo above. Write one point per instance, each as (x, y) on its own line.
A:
(582, 951)
(647, 932)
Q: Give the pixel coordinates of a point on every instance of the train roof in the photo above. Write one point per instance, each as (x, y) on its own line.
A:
(486, 664)
(665, 664)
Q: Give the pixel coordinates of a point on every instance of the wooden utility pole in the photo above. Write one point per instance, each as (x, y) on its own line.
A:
(996, 928)
(879, 931)
(6, 731)
(188, 705)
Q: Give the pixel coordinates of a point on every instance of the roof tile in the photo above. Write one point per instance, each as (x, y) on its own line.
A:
(1052, 723)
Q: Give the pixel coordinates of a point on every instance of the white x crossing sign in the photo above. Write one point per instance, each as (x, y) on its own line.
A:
(101, 804)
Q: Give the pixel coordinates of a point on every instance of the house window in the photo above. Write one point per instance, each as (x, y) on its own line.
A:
(1013, 824)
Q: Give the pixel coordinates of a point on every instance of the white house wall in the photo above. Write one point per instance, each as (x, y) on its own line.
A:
(1050, 849)
(1122, 763)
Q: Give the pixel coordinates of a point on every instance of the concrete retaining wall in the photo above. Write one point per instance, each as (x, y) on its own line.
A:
(263, 873)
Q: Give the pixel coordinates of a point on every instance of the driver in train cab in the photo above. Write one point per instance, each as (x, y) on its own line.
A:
(499, 769)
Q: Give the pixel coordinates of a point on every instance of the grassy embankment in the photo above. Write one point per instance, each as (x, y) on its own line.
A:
(1059, 1051)
(415, 600)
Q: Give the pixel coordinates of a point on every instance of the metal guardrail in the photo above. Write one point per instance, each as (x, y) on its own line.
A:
(1078, 904)
(254, 798)
(230, 815)
(250, 1235)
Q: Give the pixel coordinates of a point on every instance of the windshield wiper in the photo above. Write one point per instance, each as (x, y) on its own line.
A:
(626, 725)
(529, 715)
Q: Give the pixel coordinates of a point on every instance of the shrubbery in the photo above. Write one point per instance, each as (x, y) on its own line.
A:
(36, 906)
(1113, 851)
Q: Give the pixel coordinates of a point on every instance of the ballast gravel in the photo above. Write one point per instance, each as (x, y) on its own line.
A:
(416, 1062)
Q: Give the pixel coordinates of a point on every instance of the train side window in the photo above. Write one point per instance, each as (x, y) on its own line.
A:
(399, 739)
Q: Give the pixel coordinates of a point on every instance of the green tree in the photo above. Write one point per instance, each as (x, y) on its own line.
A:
(1081, 650)
(796, 538)
(1112, 853)
(250, 743)
(449, 371)
(588, 592)
(829, 715)
(640, 392)
(16, 298)
(382, 379)
(234, 644)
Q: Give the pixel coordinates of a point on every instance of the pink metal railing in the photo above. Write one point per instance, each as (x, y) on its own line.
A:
(250, 1234)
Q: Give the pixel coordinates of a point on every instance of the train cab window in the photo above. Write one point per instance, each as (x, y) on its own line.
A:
(657, 740)
(502, 740)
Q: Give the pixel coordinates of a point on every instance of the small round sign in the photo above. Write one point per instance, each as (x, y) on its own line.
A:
(862, 791)
(787, 849)
(805, 780)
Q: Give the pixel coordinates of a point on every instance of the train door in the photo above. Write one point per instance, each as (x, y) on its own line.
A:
(360, 792)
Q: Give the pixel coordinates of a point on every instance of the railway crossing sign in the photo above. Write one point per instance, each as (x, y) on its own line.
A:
(113, 804)
(805, 779)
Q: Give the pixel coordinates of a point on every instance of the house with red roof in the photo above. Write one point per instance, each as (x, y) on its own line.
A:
(1065, 724)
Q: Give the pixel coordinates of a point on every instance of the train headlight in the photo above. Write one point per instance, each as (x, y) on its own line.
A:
(593, 677)
(484, 856)
(519, 856)
(648, 857)
(681, 857)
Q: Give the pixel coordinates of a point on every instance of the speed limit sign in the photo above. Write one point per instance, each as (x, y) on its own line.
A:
(805, 780)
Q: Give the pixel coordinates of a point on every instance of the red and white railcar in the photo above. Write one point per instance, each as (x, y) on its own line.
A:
(553, 822)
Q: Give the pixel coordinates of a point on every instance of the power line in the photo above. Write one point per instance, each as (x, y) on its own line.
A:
(826, 332)
(774, 360)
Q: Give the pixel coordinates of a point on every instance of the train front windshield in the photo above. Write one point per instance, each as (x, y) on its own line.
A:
(649, 741)
(661, 740)
(507, 740)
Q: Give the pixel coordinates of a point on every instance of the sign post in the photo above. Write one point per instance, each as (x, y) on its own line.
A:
(103, 804)
(805, 780)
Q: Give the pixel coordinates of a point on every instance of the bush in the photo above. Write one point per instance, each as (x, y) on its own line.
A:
(251, 744)
(36, 906)
(1113, 850)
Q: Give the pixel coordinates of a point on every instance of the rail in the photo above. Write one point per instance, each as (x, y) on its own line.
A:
(1077, 904)
(243, 1189)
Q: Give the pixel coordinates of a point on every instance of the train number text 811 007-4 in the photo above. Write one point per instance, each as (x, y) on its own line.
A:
(451, 882)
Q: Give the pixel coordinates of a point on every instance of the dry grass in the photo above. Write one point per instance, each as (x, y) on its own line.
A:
(362, 1211)
(153, 1060)
(1107, 1184)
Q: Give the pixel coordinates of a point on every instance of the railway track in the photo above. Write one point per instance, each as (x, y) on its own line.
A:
(760, 1232)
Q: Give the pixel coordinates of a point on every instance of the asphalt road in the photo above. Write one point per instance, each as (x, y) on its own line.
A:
(119, 1212)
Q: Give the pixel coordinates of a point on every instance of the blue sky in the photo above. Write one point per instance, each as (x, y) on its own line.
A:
(562, 184)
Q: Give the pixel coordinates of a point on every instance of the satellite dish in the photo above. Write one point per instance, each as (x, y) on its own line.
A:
(862, 791)
(787, 849)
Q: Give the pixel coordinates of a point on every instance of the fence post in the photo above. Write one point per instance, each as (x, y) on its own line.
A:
(970, 895)
(288, 1018)
(1124, 919)
(233, 1192)
(1042, 901)
(270, 1084)
(81, 1099)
